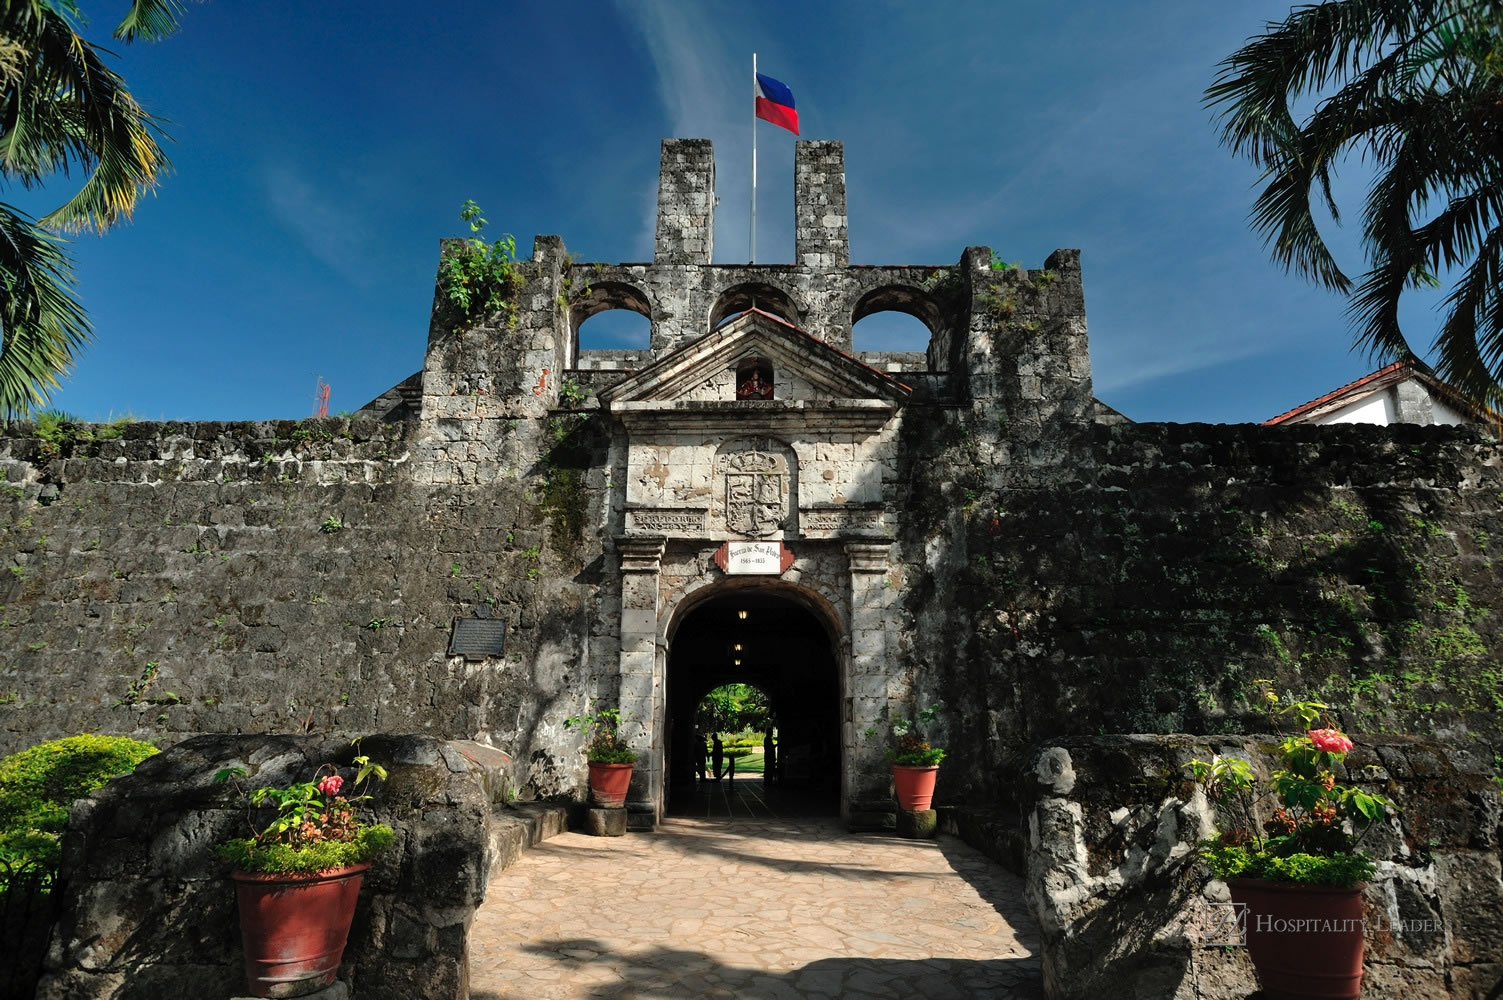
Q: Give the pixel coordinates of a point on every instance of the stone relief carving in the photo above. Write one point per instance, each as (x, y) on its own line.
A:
(755, 485)
(756, 495)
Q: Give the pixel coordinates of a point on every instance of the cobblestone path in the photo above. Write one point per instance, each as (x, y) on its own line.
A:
(759, 909)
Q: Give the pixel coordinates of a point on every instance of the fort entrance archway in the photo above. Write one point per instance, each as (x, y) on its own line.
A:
(765, 637)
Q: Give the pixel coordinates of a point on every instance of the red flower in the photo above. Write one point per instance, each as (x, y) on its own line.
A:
(1330, 741)
(331, 784)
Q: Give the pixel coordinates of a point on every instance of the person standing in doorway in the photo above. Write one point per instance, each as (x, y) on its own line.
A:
(717, 756)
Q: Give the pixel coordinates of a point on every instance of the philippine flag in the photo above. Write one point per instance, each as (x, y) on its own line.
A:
(775, 103)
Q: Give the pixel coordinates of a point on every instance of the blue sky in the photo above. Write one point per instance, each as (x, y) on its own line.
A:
(322, 149)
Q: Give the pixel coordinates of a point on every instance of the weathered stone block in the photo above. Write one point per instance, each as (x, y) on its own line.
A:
(605, 822)
(919, 824)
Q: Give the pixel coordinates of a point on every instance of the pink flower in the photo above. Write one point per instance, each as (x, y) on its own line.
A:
(333, 783)
(1330, 741)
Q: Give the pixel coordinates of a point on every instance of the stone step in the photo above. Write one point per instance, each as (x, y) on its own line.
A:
(514, 826)
(517, 826)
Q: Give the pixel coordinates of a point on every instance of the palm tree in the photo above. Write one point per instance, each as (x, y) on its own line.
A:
(1413, 87)
(63, 109)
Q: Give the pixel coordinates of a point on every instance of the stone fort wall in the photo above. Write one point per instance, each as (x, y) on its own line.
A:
(1037, 572)
(179, 580)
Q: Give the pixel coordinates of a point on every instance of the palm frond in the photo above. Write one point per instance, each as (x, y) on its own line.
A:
(41, 323)
(71, 111)
(1469, 346)
(1412, 87)
(152, 20)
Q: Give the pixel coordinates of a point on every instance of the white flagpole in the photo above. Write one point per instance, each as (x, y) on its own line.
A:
(754, 161)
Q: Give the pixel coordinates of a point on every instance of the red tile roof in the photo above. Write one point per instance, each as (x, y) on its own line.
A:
(1396, 368)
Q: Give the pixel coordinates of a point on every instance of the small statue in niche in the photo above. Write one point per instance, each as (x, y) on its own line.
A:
(757, 386)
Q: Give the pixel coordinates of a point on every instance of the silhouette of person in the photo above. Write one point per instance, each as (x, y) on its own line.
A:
(717, 756)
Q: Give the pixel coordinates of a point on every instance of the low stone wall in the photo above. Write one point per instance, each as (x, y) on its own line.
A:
(1123, 908)
(150, 913)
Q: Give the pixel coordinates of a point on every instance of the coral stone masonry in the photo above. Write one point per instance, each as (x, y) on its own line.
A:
(953, 527)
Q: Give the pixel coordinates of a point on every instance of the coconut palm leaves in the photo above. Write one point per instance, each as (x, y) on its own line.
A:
(63, 110)
(1418, 92)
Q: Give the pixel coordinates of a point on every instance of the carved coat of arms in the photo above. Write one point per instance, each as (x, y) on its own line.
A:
(756, 496)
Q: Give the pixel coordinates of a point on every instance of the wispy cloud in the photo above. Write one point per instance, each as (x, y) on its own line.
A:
(702, 68)
(1118, 371)
(329, 221)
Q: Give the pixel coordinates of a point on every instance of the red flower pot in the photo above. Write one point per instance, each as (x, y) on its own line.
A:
(915, 785)
(608, 784)
(294, 928)
(1305, 941)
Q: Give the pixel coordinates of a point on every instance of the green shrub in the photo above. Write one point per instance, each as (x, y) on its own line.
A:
(1343, 870)
(283, 859)
(39, 785)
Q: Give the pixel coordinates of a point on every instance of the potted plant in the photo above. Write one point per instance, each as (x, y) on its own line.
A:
(1298, 875)
(915, 762)
(297, 877)
(610, 759)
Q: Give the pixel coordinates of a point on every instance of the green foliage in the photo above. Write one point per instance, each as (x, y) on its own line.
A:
(314, 827)
(909, 746)
(1344, 870)
(479, 278)
(246, 855)
(1304, 838)
(571, 393)
(564, 495)
(138, 686)
(39, 785)
(734, 708)
(603, 742)
(332, 525)
(567, 292)
(1411, 90)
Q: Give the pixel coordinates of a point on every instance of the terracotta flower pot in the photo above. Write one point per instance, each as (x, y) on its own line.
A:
(608, 784)
(1305, 941)
(915, 785)
(294, 928)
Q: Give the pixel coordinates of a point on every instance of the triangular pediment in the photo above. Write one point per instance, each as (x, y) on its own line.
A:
(806, 371)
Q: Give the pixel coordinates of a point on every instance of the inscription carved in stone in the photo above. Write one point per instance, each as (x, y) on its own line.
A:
(839, 520)
(756, 493)
(668, 520)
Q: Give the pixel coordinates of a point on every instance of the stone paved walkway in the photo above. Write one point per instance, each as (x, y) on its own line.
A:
(754, 909)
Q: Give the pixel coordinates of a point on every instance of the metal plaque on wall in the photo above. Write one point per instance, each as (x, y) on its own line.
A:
(477, 638)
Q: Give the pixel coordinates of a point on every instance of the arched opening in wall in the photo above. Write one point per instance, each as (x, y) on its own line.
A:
(739, 298)
(744, 639)
(612, 316)
(736, 732)
(900, 320)
(754, 379)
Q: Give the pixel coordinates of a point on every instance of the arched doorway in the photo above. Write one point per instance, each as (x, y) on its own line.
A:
(769, 640)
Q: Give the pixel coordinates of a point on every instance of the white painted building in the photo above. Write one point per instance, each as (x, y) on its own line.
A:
(1400, 393)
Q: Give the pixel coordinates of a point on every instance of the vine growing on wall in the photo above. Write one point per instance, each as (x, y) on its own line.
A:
(480, 277)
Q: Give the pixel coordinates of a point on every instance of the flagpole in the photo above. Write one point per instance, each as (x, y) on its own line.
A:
(754, 162)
